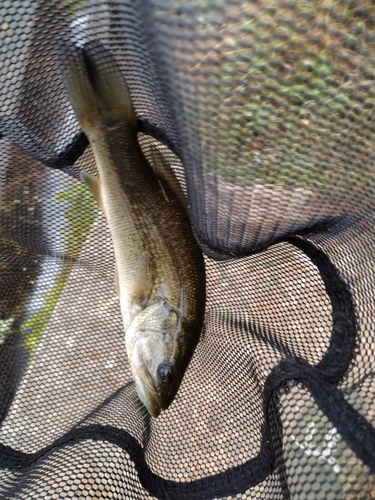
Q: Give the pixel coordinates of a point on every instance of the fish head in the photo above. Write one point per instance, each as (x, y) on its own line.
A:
(158, 355)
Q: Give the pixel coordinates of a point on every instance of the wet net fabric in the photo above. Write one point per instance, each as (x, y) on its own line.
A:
(265, 111)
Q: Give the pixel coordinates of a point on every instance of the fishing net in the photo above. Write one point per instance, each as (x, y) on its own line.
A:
(265, 111)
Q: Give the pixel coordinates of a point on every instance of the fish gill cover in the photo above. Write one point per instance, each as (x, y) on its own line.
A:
(264, 112)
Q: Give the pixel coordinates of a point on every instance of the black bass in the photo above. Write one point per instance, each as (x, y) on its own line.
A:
(160, 276)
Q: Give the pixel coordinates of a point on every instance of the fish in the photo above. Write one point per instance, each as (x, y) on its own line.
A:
(160, 271)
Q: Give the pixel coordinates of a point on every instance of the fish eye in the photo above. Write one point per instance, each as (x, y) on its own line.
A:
(165, 373)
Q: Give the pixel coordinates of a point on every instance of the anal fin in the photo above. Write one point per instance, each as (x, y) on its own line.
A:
(94, 184)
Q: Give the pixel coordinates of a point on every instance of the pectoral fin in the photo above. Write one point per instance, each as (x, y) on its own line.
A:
(144, 280)
(183, 306)
(94, 184)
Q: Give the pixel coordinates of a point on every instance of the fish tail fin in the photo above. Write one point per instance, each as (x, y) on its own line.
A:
(96, 87)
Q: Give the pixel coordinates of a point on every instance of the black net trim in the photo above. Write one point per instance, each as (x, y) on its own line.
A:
(320, 380)
(16, 132)
(19, 134)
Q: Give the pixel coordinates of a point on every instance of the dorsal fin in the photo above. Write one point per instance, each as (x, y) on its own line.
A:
(164, 173)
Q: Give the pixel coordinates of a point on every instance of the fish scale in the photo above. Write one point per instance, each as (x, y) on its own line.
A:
(139, 216)
(160, 268)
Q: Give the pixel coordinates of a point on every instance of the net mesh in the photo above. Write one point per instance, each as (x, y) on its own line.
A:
(264, 111)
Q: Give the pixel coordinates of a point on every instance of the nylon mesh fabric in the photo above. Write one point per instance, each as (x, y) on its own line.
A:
(264, 111)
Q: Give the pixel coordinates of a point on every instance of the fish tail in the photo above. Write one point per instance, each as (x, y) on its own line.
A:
(96, 87)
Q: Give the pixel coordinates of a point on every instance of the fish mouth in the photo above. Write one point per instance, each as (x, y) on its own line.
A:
(147, 392)
(154, 409)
